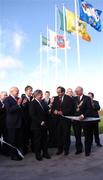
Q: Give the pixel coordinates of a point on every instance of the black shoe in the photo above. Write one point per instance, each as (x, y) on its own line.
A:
(99, 145)
(39, 157)
(66, 153)
(16, 158)
(59, 152)
(87, 154)
(47, 156)
(25, 151)
(78, 152)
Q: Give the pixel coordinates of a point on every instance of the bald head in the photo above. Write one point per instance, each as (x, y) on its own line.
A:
(79, 91)
(14, 91)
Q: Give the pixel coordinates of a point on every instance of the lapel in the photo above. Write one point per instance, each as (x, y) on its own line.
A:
(63, 101)
(39, 105)
(13, 100)
(0, 104)
(82, 98)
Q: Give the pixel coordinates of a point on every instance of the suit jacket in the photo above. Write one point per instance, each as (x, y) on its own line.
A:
(95, 109)
(85, 108)
(25, 108)
(2, 116)
(37, 114)
(46, 101)
(66, 105)
(13, 113)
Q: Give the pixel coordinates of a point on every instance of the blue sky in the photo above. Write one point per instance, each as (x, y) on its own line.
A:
(21, 22)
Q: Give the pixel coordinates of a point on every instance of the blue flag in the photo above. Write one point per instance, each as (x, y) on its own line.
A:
(90, 15)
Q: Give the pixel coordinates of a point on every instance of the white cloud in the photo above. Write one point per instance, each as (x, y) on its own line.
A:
(9, 65)
(12, 40)
(18, 39)
(9, 62)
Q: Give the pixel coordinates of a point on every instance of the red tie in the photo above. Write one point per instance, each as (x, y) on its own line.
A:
(60, 103)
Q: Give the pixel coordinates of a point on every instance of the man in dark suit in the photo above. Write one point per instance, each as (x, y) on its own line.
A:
(26, 123)
(3, 95)
(94, 113)
(62, 105)
(51, 122)
(47, 98)
(82, 108)
(39, 117)
(14, 121)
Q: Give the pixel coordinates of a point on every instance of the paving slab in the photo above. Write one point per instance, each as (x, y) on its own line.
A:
(71, 167)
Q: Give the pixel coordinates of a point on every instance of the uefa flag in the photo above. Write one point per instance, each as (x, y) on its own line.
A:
(57, 40)
(90, 15)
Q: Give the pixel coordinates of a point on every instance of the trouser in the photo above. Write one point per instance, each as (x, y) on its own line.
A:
(77, 127)
(96, 132)
(15, 139)
(26, 137)
(52, 127)
(39, 137)
(63, 134)
(88, 135)
(0, 142)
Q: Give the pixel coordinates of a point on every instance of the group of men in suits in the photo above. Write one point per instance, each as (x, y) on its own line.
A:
(36, 122)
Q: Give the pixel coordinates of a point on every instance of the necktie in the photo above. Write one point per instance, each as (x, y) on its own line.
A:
(78, 98)
(16, 99)
(41, 105)
(60, 102)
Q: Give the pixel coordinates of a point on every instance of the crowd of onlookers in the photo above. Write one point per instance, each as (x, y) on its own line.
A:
(34, 122)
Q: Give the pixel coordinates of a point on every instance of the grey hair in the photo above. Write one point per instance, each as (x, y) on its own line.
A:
(79, 87)
(3, 92)
(37, 92)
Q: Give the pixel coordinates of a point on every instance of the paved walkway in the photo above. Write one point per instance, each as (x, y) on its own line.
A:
(72, 167)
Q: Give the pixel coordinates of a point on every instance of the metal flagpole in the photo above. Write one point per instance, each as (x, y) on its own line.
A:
(40, 66)
(47, 56)
(66, 64)
(77, 35)
(56, 68)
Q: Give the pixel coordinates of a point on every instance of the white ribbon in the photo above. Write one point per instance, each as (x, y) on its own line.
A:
(2, 141)
(77, 118)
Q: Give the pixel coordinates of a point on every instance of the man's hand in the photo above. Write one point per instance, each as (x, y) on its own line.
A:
(55, 112)
(81, 117)
(42, 123)
(24, 101)
(52, 100)
(60, 113)
(19, 101)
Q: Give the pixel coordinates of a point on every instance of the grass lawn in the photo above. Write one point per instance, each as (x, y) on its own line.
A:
(101, 126)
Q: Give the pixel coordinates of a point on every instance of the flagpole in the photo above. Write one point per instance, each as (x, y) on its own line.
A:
(56, 68)
(40, 66)
(47, 55)
(77, 36)
(65, 50)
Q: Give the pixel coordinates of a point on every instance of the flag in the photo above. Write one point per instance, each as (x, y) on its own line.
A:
(45, 41)
(62, 20)
(70, 25)
(57, 40)
(90, 15)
